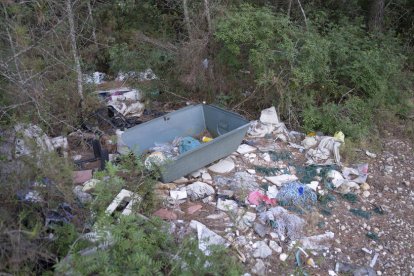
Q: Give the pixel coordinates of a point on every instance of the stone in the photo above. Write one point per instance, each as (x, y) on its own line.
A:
(220, 215)
(181, 180)
(244, 148)
(206, 237)
(262, 250)
(365, 186)
(260, 229)
(266, 157)
(259, 268)
(366, 194)
(279, 180)
(226, 193)
(246, 220)
(89, 186)
(82, 196)
(269, 116)
(80, 177)
(223, 166)
(194, 208)
(199, 190)
(206, 176)
(275, 247)
(165, 214)
(178, 194)
(165, 186)
(226, 205)
(283, 257)
(318, 242)
(251, 171)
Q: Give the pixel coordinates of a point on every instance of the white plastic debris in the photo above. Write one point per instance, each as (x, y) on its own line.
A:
(269, 116)
(178, 194)
(32, 138)
(328, 146)
(206, 237)
(156, 158)
(243, 149)
(123, 196)
(279, 180)
(309, 142)
(223, 166)
(94, 78)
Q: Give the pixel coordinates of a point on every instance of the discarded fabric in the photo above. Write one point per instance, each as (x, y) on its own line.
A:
(257, 198)
(187, 143)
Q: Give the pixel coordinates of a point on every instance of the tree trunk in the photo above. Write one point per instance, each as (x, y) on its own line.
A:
(93, 23)
(76, 57)
(376, 16)
(207, 9)
(187, 19)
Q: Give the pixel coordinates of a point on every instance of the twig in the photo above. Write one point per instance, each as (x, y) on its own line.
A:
(344, 95)
(304, 15)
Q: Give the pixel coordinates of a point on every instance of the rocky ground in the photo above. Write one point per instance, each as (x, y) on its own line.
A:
(376, 239)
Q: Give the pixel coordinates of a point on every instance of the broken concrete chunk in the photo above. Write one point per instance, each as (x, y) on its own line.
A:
(223, 166)
(80, 177)
(206, 176)
(318, 242)
(206, 237)
(244, 148)
(262, 250)
(279, 180)
(226, 205)
(194, 208)
(165, 214)
(199, 190)
(269, 116)
(275, 247)
(178, 194)
(259, 268)
(246, 220)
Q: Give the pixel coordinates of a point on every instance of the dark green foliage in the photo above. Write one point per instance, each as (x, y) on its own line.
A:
(360, 213)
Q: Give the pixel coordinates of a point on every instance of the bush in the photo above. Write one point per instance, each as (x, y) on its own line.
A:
(329, 77)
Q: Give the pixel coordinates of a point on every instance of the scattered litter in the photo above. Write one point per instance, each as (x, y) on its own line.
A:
(61, 215)
(296, 194)
(125, 199)
(272, 191)
(373, 236)
(223, 166)
(206, 139)
(284, 222)
(155, 159)
(360, 213)
(257, 198)
(178, 194)
(187, 143)
(240, 181)
(83, 197)
(89, 186)
(354, 269)
(283, 257)
(270, 171)
(121, 147)
(206, 237)
(353, 198)
(370, 154)
(94, 78)
(309, 142)
(226, 205)
(358, 174)
(374, 260)
(318, 242)
(327, 146)
(280, 155)
(244, 148)
(279, 180)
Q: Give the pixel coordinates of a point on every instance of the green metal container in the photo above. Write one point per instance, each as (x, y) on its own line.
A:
(227, 128)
